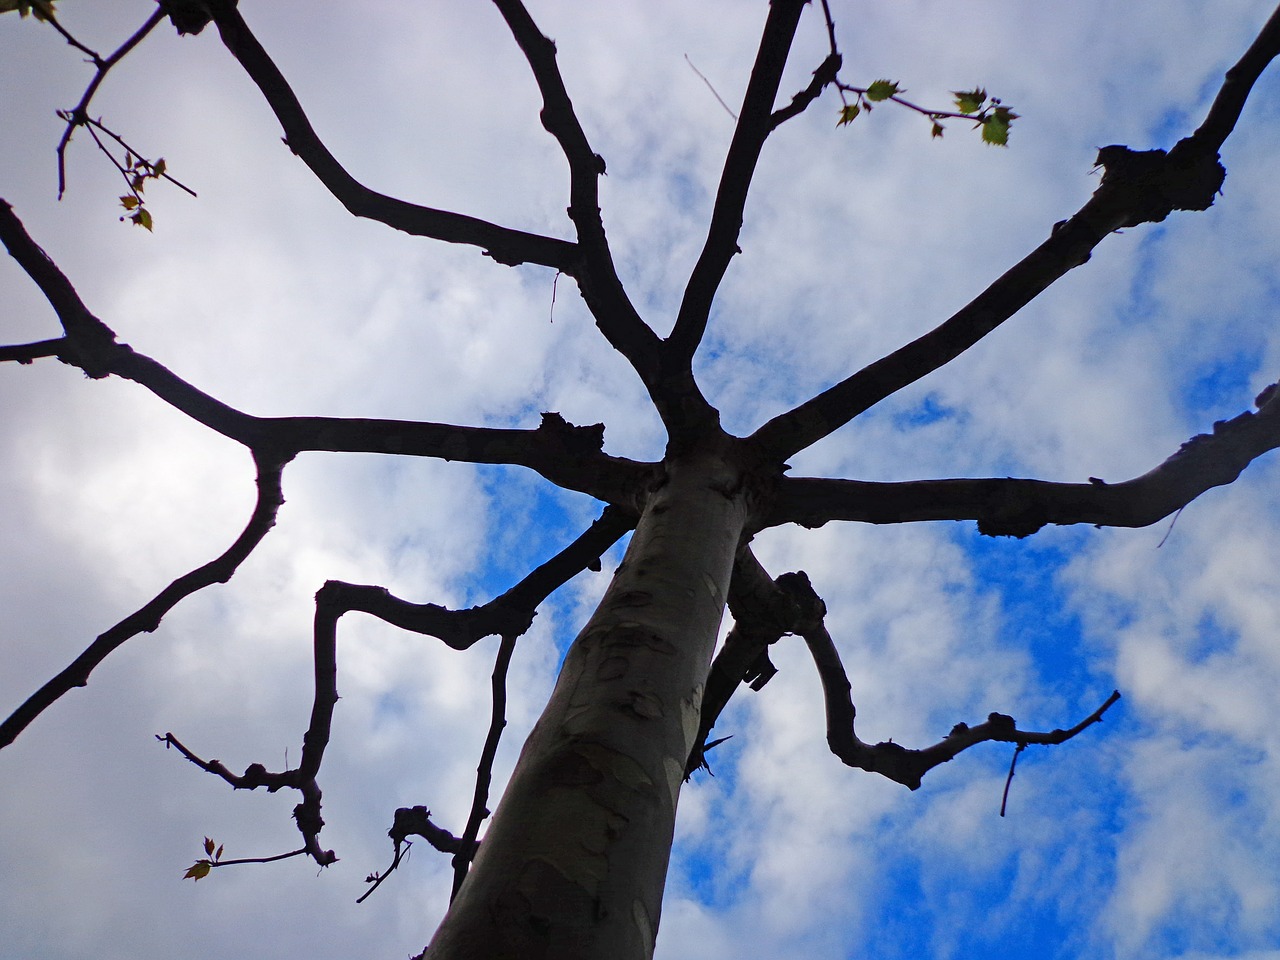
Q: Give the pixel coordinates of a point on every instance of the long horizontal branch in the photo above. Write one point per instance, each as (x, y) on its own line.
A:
(569, 456)
(503, 244)
(27, 352)
(1007, 506)
(147, 618)
(1137, 187)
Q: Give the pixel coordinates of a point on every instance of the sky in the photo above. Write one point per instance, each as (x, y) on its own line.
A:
(1153, 835)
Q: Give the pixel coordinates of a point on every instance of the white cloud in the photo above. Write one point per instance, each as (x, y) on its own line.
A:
(1152, 835)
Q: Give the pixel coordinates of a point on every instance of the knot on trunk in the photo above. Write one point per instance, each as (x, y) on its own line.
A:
(1152, 183)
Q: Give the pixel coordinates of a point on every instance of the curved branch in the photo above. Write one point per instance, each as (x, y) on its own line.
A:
(764, 610)
(89, 343)
(511, 613)
(895, 762)
(503, 244)
(755, 122)
(147, 618)
(597, 276)
(569, 456)
(1013, 507)
(1137, 187)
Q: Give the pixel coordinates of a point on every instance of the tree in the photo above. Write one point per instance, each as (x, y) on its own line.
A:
(636, 697)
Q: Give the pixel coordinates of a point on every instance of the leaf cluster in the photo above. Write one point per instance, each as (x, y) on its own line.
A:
(200, 869)
(988, 113)
(137, 172)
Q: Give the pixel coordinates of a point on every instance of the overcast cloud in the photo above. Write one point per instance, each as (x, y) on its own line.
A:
(1154, 835)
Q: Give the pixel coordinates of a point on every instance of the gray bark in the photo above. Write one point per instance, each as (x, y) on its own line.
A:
(574, 863)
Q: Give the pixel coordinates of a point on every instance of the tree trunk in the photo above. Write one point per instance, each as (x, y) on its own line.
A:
(574, 862)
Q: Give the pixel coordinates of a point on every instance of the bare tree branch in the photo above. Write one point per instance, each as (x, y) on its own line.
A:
(503, 244)
(484, 769)
(1014, 507)
(306, 813)
(824, 76)
(890, 760)
(515, 610)
(27, 352)
(1137, 187)
(764, 610)
(416, 822)
(597, 276)
(755, 122)
(78, 115)
(1229, 103)
(90, 344)
(567, 455)
(510, 613)
(147, 618)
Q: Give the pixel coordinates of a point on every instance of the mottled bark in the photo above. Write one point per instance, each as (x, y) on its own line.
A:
(574, 863)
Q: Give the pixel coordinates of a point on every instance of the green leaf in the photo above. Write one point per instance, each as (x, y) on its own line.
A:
(847, 114)
(142, 218)
(881, 90)
(970, 101)
(995, 129)
(158, 168)
(41, 9)
(198, 870)
(128, 202)
(937, 130)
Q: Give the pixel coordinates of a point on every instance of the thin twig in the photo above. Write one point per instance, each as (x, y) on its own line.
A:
(1172, 524)
(402, 850)
(279, 856)
(77, 115)
(1004, 800)
(484, 770)
(719, 99)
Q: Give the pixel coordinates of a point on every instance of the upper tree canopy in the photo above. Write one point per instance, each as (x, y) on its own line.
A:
(267, 295)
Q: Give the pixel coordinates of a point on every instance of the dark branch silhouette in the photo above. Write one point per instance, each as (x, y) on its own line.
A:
(484, 769)
(78, 115)
(509, 614)
(147, 618)
(755, 122)
(1018, 508)
(640, 691)
(598, 279)
(1136, 188)
(503, 244)
(889, 759)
